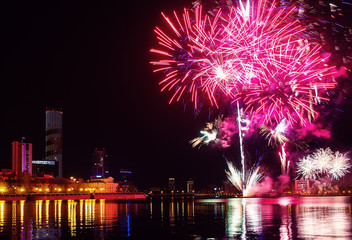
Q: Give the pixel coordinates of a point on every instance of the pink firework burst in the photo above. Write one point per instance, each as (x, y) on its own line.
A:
(253, 54)
(284, 76)
(191, 59)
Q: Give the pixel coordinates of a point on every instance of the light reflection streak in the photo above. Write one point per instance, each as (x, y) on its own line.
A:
(128, 220)
(244, 218)
(93, 211)
(319, 219)
(190, 211)
(151, 208)
(2, 205)
(89, 212)
(47, 203)
(102, 213)
(14, 218)
(193, 209)
(22, 213)
(172, 212)
(234, 217)
(81, 204)
(23, 233)
(38, 213)
(72, 216)
(59, 204)
(162, 208)
(286, 223)
(244, 231)
(254, 217)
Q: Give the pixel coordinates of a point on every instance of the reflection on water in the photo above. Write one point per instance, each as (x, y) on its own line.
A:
(179, 218)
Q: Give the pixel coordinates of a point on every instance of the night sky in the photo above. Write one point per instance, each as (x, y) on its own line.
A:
(92, 59)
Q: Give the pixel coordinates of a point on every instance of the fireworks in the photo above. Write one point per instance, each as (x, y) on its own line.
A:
(235, 176)
(191, 59)
(255, 54)
(258, 57)
(323, 162)
(275, 136)
(209, 133)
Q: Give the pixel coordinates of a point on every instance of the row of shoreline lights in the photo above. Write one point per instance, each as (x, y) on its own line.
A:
(71, 189)
(3, 190)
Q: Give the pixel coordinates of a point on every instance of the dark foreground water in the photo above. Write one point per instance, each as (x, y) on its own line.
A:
(249, 218)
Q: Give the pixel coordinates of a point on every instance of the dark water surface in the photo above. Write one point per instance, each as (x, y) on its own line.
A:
(248, 218)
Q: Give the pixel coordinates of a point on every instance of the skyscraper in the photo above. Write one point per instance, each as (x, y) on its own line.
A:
(53, 138)
(21, 157)
(99, 166)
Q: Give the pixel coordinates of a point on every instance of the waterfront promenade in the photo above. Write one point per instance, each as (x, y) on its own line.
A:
(64, 196)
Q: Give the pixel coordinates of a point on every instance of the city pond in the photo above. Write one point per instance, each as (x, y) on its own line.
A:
(179, 218)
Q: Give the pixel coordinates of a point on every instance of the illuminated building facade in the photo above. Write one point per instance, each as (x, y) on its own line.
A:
(125, 179)
(99, 164)
(302, 186)
(53, 139)
(21, 157)
(171, 184)
(43, 167)
(190, 186)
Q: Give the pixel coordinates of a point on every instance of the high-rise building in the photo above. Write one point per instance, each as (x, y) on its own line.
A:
(100, 164)
(53, 138)
(21, 157)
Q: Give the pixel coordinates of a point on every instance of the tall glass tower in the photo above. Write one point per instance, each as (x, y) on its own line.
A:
(53, 138)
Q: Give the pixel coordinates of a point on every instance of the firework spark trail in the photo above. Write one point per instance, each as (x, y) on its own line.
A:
(239, 117)
(284, 164)
(235, 176)
(323, 162)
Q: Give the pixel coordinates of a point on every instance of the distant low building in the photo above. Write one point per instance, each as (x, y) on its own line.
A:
(190, 186)
(102, 185)
(302, 186)
(126, 184)
(44, 167)
(171, 184)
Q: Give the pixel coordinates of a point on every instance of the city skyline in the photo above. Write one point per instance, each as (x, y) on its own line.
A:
(93, 61)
